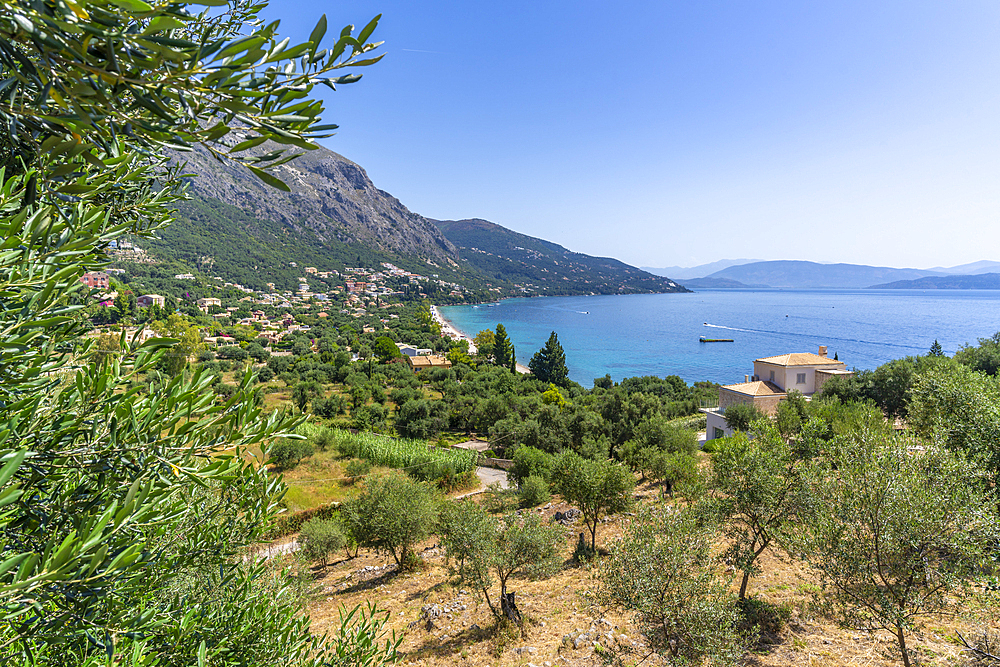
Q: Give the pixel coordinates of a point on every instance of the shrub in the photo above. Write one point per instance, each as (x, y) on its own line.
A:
(233, 352)
(286, 453)
(391, 515)
(763, 615)
(321, 538)
(673, 469)
(497, 500)
(739, 416)
(357, 468)
(529, 462)
(328, 408)
(534, 491)
(324, 439)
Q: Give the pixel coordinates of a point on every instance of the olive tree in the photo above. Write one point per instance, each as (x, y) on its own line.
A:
(762, 495)
(391, 515)
(899, 531)
(960, 408)
(491, 551)
(597, 488)
(320, 538)
(120, 511)
(663, 571)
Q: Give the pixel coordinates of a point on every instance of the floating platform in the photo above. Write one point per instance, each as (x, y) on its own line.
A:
(715, 340)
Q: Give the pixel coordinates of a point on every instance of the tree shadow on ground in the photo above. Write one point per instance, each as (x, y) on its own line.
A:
(433, 646)
(368, 584)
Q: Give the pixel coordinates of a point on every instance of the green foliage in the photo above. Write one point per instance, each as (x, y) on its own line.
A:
(286, 453)
(122, 511)
(329, 407)
(325, 439)
(498, 548)
(386, 350)
(984, 358)
(499, 501)
(529, 462)
(422, 418)
(321, 538)
(503, 349)
(792, 413)
(677, 471)
(356, 468)
(762, 496)
(960, 408)
(534, 491)
(897, 534)
(597, 488)
(465, 529)
(549, 363)
(286, 524)
(740, 416)
(369, 418)
(303, 392)
(415, 456)
(662, 571)
(390, 516)
(363, 640)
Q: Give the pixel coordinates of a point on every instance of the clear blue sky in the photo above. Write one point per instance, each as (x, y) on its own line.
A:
(678, 133)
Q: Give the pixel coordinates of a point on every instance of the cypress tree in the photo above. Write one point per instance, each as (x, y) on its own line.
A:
(503, 350)
(549, 363)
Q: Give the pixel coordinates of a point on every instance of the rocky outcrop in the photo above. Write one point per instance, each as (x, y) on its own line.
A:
(330, 195)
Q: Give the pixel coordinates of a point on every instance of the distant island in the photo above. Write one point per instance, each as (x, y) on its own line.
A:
(982, 281)
(799, 274)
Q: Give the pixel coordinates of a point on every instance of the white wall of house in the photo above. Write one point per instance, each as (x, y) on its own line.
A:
(716, 425)
(787, 377)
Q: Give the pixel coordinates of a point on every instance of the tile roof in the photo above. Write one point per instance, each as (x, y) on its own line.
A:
(800, 359)
(758, 388)
(428, 361)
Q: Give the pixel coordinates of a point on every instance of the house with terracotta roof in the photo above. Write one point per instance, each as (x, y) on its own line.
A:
(423, 362)
(773, 378)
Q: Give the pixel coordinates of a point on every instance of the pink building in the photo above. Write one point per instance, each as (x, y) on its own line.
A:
(96, 279)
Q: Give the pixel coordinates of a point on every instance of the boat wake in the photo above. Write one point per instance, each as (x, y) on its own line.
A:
(791, 334)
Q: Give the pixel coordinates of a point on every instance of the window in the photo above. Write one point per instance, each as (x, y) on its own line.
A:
(718, 433)
(772, 376)
(800, 378)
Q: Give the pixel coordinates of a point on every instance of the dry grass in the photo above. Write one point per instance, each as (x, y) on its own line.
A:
(561, 605)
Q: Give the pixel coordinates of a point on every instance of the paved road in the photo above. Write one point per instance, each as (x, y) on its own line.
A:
(492, 475)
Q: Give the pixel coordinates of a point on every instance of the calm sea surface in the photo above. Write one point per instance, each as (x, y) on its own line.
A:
(657, 334)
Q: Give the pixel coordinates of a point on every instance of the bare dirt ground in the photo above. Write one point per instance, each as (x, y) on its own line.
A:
(445, 623)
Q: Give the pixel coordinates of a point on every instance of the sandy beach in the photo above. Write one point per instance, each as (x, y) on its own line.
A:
(449, 330)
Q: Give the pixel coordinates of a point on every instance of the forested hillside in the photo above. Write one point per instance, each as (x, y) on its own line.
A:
(545, 267)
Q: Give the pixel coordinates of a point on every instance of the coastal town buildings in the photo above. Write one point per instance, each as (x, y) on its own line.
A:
(147, 300)
(96, 280)
(772, 380)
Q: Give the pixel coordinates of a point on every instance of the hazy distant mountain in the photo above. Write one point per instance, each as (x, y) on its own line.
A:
(716, 283)
(976, 281)
(982, 266)
(800, 274)
(688, 272)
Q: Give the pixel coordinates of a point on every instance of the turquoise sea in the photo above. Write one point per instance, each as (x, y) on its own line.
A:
(657, 334)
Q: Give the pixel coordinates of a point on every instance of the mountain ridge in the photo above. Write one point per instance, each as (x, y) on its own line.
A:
(334, 210)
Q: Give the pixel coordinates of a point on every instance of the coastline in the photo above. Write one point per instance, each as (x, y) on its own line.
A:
(448, 329)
